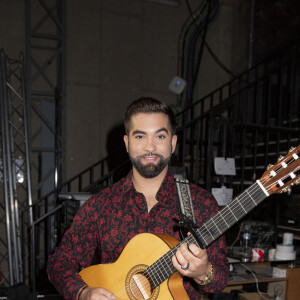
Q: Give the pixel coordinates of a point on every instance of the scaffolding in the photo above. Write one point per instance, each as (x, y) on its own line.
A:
(45, 93)
(15, 178)
(45, 90)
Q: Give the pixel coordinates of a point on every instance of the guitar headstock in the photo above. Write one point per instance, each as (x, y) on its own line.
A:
(285, 173)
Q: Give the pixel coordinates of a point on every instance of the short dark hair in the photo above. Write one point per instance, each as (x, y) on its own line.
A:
(148, 105)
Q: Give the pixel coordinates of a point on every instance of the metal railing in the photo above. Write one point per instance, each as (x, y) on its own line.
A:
(44, 231)
(265, 97)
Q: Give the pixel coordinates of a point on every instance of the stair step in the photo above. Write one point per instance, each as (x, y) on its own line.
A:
(293, 140)
(250, 168)
(260, 155)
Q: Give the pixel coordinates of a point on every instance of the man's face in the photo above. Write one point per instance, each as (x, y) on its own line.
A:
(150, 143)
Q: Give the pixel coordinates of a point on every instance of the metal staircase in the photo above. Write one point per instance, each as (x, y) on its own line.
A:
(254, 118)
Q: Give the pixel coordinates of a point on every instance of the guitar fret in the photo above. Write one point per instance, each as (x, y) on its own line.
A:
(242, 206)
(208, 229)
(251, 197)
(153, 273)
(166, 272)
(191, 240)
(168, 265)
(161, 269)
(204, 235)
(232, 213)
(224, 220)
(249, 192)
(216, 225)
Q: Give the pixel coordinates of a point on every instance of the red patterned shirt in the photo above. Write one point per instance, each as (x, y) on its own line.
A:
(110, 219)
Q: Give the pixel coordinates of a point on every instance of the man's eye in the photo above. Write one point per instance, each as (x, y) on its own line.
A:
(161, 137)
(138, 137)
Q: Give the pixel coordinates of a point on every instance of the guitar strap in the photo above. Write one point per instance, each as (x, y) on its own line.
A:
(187, 217)
(185, 199)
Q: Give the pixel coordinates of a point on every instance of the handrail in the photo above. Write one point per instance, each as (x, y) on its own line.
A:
(31, 228)
(239, 78)
(74, 178)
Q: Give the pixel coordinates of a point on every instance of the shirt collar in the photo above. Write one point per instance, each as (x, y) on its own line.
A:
(128, 183)
(166, 186)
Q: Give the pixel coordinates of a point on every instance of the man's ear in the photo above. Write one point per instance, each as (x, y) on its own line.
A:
(174, 142)
(125, 138)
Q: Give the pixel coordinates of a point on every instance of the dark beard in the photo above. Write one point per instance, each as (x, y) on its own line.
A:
(150, 170)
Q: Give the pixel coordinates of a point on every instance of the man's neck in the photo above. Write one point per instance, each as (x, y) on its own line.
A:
(148, 186)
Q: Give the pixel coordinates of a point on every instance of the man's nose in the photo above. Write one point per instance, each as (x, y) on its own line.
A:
(150, 145)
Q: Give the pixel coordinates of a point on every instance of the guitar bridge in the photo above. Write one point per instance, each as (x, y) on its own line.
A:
(138, 279)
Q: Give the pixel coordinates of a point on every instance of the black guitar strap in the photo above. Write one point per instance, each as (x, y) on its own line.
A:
(185, 199)
(187, 216)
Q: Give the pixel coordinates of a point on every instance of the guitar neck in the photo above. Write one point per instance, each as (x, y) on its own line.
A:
(230, 214)
(210, 230)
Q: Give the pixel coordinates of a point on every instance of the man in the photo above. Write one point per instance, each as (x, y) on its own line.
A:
(144, 201)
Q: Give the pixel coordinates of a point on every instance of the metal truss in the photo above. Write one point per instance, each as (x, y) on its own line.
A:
(45, 66)
(15, 178)
(46, 92)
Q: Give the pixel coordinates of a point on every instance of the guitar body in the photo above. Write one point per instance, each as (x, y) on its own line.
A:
(124, 277)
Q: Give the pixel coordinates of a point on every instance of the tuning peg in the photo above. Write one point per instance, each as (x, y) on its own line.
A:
(292, 149)
(280, 158)
(287, 190)
(269, 166)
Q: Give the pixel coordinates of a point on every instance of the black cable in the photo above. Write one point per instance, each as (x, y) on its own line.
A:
(198, 28)
(182, 42)
(184, 32)
(213, 55)
(192, 76)
(202, 43)
(218, 61)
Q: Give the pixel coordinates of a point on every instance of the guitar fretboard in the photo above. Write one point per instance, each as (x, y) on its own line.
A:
(208, 232)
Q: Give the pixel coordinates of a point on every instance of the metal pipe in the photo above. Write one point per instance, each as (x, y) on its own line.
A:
(5, 170)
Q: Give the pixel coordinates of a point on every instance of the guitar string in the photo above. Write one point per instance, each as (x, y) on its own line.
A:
(239, 203)
(170, 253)
(155, 270)
(258, 188)
(227, 216)
(255, 190)
(239, 207)
(191, 238)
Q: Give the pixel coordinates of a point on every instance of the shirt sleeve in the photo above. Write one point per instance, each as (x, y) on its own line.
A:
(207, 207)
(75, 252)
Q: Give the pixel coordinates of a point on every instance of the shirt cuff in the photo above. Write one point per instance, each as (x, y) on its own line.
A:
(79, 292)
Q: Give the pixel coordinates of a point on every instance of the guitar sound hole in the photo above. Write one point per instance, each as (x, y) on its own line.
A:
(138, 286)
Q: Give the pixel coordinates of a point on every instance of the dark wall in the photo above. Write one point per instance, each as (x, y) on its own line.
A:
(276, 24)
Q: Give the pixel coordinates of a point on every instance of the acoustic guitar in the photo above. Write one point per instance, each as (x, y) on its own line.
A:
(144, 269)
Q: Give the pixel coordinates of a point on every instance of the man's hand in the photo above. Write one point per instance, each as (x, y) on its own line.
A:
(194, 259)
(89, 293)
